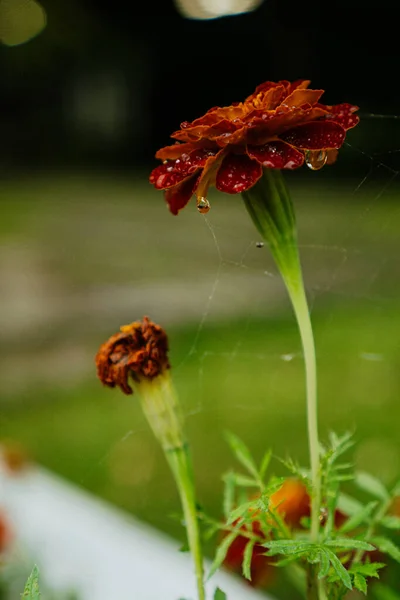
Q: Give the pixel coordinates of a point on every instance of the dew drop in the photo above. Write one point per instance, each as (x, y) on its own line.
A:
(203, 205)
(316, 159)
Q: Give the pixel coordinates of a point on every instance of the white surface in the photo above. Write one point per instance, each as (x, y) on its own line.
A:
(83, 544)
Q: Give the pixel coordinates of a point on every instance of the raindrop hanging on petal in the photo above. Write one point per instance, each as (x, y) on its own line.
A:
(203, 205)
(316, 159)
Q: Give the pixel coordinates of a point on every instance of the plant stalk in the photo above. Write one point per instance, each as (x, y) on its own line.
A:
(295, 287)
(181, 466)
(161, 408)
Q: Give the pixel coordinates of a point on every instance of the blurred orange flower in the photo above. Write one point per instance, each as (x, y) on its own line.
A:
(280, 126)
(291, 502)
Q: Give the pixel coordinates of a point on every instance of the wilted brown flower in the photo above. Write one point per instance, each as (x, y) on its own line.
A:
(140, 350)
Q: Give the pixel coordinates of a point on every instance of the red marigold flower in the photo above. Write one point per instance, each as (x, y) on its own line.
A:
(139, 350)
(280, 126)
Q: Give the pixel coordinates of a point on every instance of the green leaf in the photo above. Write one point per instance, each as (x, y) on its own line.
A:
(387, 547)
(242, 453)
(229, 494)
(222, 551)
(239, 512)
(274, 485)
(372, 485)
(359, 517)
(265, 464)
(219, 594)
(243, 480)
(31, 591)
(349, 505)
(247, 556)
(391, 522)
(349, 544)
(367, 569)
(360, 583)
(324, 564)
(339, 569)
(287, 547)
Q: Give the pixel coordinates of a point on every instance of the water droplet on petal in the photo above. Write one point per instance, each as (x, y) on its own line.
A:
(316, 159)
(203, 205)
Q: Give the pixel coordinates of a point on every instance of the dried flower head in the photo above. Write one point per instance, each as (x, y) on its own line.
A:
(280, 126)
(139, 351)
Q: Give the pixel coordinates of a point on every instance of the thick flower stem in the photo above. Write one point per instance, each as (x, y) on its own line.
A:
(295, 287)
(161, 408)
(180, 463)
(270, 207)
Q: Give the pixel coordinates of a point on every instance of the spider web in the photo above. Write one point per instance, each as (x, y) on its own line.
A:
(235, 348)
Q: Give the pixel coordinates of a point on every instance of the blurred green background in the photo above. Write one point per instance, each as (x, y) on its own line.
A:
(82, 254)
(87, 245)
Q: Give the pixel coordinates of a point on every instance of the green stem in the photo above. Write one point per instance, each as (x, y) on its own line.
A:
(294, 284)
(270, 207)
(180, 463)
(161, 407)
(312, 584)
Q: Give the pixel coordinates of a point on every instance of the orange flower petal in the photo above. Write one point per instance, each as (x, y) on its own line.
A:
(300, 84)
(173, 172)
(237, 174)
(315, 135)
(277, 155)
(205, 132)
(176, 150)
(209, 174)
(299, 97)
(178, 196)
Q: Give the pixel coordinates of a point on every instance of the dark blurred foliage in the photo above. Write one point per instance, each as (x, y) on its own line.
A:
(105, 83)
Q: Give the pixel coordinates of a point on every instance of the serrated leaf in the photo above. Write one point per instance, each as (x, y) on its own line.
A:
(229, 494)
(387, 547)
(265, 464)
(222, 551)
(286, 547)
(324, 564)
(242, 453)
(31, 591)
(247, 556)
(349, 505)
(219, 594)
(359, 517)
(243, 480)
(284, 562)
(372, 485)
(339, 569)
(360, 583)
(367, 569)
(390, 522)
(349, 544)
(274, 486)
(239, 512)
